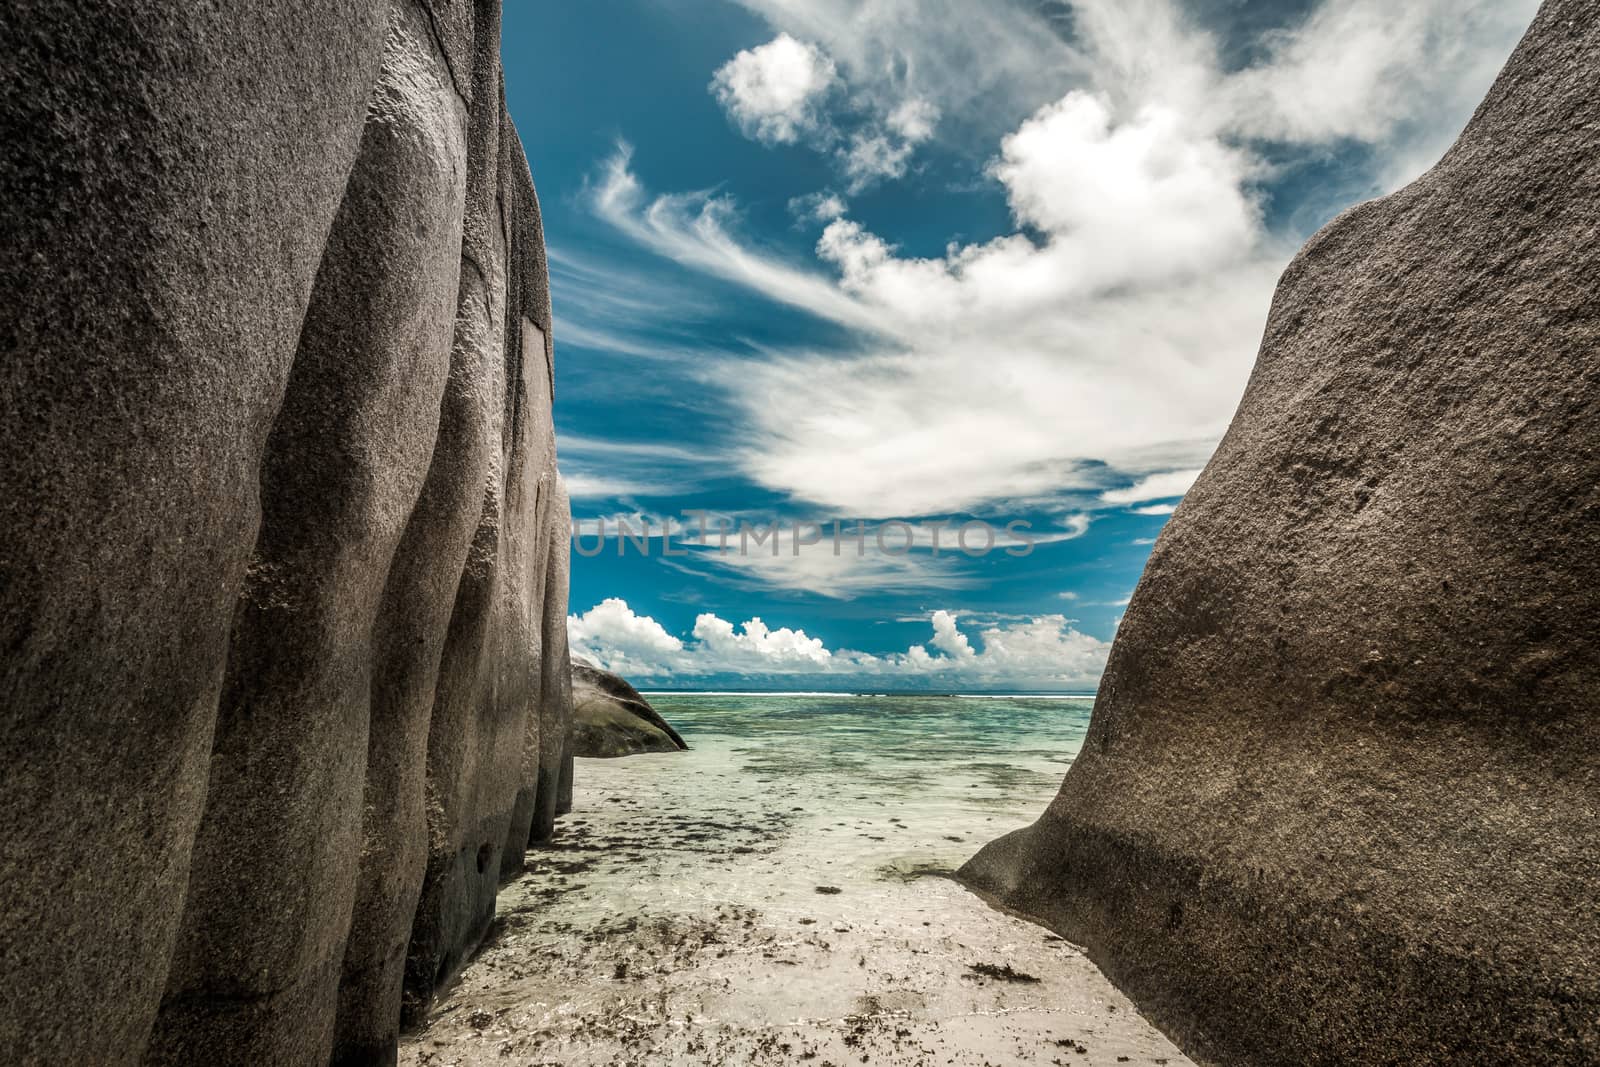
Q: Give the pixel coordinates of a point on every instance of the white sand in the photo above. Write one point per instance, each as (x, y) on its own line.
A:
(678, 922)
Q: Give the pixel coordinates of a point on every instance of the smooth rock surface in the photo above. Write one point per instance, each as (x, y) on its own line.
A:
(555, 694)
(258, 960)
(170, 177)
(486, 711)
(611, 719)
(274, 429)
(424, 578)
(1340, 792)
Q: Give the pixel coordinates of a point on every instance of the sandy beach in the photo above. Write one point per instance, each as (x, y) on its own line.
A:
(698, 909)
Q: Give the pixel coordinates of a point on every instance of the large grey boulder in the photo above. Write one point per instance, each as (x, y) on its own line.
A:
(258, 963)
(487, 706)
(276, 428)
(610, 718)
(170, 177)
(554, 747)
(406, 818)
(1338, 803)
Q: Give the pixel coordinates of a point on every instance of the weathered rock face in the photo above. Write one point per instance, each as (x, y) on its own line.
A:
(610, 718)
(279, 507)
(555, 692)
(1338, 802)
(486, 710)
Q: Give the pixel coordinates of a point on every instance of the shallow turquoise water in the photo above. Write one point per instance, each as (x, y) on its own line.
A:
(1037, 734)
(946, 766)
(779, 894)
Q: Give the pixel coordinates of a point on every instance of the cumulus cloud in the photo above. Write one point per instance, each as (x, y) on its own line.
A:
(818, 207)
(996, 372)
(1041, 652)
(757, 646)
(772, 91)
(947, 638)
(776, 94)
(1370, 70)
(970, 59)
(613, 636)
(1106, 340)
(883, 151)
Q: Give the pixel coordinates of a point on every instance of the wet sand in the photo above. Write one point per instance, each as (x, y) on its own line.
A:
(697, 910)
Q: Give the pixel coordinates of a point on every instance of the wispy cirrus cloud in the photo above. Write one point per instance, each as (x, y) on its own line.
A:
(835, 559)
(1101, 346)
(606, 468)
(1161, 486)
(697, 230)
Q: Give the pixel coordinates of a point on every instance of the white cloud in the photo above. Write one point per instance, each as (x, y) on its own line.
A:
(693, 229)
(882, 152)
(842, 577)
(873, 559)
(1139, 201)
(1107, 339)
(913, 120)
(1045, 648)
(1075, 525)
(975, 60)
(1156, 509)
(1368, 69)
(776, 94)
(818, 207)
(599, 486)
(1405, 74)
(611, 635)
(597, 468)
(1136, 314)
(864, 557)
(1040, 652)
(1154, 487)
(772, 91)
(757, 646)
(872, 157)
(950, 640)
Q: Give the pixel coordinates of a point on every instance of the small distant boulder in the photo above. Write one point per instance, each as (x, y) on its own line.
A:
(610, 718)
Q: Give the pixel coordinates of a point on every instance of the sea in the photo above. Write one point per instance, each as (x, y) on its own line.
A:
(956, 770)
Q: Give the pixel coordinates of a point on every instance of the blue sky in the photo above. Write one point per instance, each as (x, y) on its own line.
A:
(920, 262)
